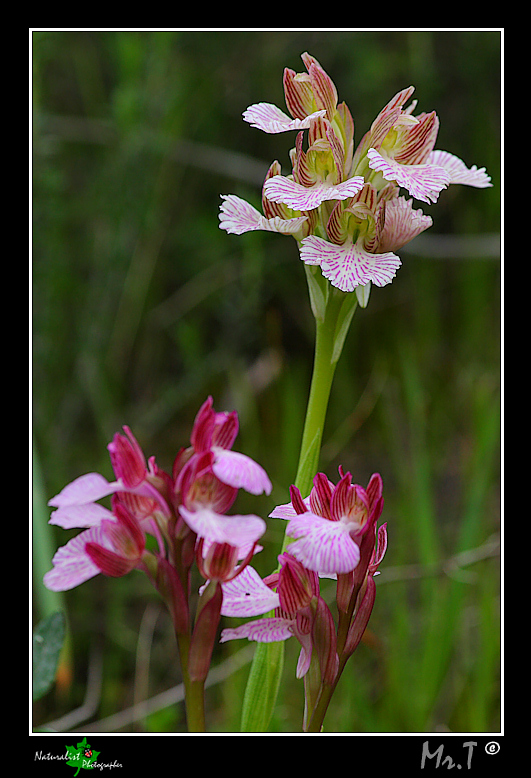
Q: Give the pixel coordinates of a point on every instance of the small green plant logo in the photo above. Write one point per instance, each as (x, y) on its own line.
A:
(82, 756)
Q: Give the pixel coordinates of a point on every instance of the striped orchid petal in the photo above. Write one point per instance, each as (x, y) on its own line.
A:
(301, 198)
(240, 471)
(458, 171)
(287, 511)
(262, 630)
(349, 266)
(72, 565)
(87, 488)
(298, 94)
(322, 545)
(402, 224)
(235, 530)
(74, 516)
(238, 216)
(247, 595)
(269, 118)
(424, 182)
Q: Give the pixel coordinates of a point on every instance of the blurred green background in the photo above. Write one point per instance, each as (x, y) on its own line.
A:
(142, 307)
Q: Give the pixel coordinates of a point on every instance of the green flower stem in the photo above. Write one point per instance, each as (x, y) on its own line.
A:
(194, 696)
(325, 695)
(333, 311)
(323, 699)
(331, 330)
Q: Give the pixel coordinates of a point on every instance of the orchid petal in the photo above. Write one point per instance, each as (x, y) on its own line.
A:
(247, 595)
(240, 471)
(349, 266)
(86, 488)
(71, 564)
(238, 216)
(402, 224)
(287, 511)
(280, 189)
(321, 545)
(269, 118)
(235, 530)
(458, 171)
(262, 630)
(305, 656)
(89, 515)
(424, 182)
(243, 551)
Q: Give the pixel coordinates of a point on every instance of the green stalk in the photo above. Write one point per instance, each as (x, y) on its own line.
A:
(193, 690)
(333, 311)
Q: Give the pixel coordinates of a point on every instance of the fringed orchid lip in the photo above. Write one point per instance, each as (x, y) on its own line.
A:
(423, 182)
(280, 189)
(350, 265)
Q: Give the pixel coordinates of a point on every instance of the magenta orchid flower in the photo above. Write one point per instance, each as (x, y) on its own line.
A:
(189, 506)
(223, 541)
(298, 611)
(215, 433)
(114, 547)
(328, 527)
(139, 487)
(335, 535)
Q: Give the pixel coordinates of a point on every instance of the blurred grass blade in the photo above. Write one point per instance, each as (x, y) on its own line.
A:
(47, 603)
(48, 638)
(262, 687)
(43, 545)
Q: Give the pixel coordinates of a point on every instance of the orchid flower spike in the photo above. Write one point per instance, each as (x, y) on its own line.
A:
(344, 206)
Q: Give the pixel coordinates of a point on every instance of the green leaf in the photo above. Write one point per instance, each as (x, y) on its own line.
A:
(343, 324)
(48, 639)
(262, 687)
(78, 758)
(318, 288)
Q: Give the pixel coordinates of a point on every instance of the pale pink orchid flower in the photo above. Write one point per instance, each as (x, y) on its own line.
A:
(355, 263)
(457, 170)
(396, 152)
(304, 92)
(400, 146)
